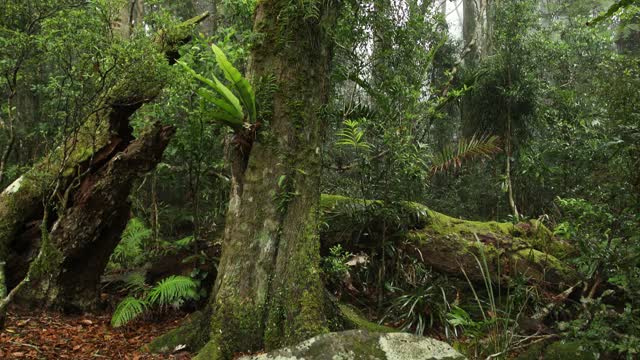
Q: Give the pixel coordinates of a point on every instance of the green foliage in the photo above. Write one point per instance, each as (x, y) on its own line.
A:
(227, 106)
(127, 310)
(494, 331)
(130, 250)
(613, 9)
(172, 289)
(169, 291)
(483, 146)
(335, 265)
(352, 135)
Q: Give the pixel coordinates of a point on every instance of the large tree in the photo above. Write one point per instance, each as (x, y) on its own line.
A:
(268, 290)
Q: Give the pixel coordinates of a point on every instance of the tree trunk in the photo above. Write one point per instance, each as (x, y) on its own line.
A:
(268, 291)
(65, 187)
(80, 242)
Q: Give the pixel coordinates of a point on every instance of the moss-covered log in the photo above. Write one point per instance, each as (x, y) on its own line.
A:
(447, 244)
(64, 179)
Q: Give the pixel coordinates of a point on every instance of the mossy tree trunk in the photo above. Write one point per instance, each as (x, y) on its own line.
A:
(80, 190)
(268, 292)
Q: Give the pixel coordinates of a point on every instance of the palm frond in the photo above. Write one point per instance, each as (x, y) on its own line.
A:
(127, 310)
(173, 289)
(453, 155)
(352, 135)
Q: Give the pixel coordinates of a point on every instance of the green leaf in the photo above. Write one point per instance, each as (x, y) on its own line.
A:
(172, 289)
(221, 89)
(239, 83)
(222, 104)
(453, 155)
(127, 310)
(621, 4)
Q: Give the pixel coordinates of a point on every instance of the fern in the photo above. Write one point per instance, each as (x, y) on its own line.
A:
(453, 155)
(128, 309)
(135, 282)
(173, 289)
(129, 251)
(351, 135)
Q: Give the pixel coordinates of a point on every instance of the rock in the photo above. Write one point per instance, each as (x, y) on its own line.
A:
(364, 345)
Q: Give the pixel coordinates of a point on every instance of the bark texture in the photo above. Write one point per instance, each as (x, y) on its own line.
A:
(268, 291)
(71, 187)
(82, 239)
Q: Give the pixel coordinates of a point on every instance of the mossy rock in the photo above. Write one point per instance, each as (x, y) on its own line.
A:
(364, 345)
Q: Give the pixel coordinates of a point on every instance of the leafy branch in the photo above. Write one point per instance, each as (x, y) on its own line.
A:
(352, 135)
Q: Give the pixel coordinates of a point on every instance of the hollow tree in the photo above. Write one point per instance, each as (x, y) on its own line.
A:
(268, 292)
(60, 221)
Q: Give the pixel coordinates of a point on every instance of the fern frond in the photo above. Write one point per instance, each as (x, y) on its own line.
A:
(127, 310)
(135, 282)
(351, 135)
(173, 289)
(454, 154)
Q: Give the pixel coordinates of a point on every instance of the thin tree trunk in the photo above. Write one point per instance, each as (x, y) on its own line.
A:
(509, 152)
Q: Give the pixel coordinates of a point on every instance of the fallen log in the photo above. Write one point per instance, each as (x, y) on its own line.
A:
(449, 245)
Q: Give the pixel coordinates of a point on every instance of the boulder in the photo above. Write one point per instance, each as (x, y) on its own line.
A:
(364, 345)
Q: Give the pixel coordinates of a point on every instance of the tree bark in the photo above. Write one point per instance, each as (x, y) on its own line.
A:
(268, 291)
(76, 175)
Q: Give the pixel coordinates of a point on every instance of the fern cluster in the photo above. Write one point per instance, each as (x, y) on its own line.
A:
(129, 252)
(172, 290)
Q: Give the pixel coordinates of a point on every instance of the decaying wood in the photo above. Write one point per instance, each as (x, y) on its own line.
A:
(71, 186)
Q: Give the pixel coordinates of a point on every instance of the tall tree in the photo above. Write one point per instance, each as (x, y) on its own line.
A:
(268, 290)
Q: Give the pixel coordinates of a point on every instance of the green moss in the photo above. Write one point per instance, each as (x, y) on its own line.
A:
(194, 333)
(569, 350)
(359, 322)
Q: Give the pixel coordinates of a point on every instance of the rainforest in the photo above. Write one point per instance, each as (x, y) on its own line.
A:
(320, 179)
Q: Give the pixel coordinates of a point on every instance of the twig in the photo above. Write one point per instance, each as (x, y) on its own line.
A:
(27, 345)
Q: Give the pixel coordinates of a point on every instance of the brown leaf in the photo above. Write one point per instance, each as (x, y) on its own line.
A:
(17, 354)
(77, 347)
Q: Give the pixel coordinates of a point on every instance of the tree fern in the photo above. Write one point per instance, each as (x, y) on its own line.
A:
(454, 154)
(173, 289)
(128, 309)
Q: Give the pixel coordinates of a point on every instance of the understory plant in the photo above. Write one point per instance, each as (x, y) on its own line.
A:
(488, 327)
(171, 291)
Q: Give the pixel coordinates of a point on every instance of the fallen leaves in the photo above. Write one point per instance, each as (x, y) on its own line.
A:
(56, 336)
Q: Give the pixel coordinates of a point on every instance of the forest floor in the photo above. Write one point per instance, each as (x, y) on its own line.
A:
(47, 335)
